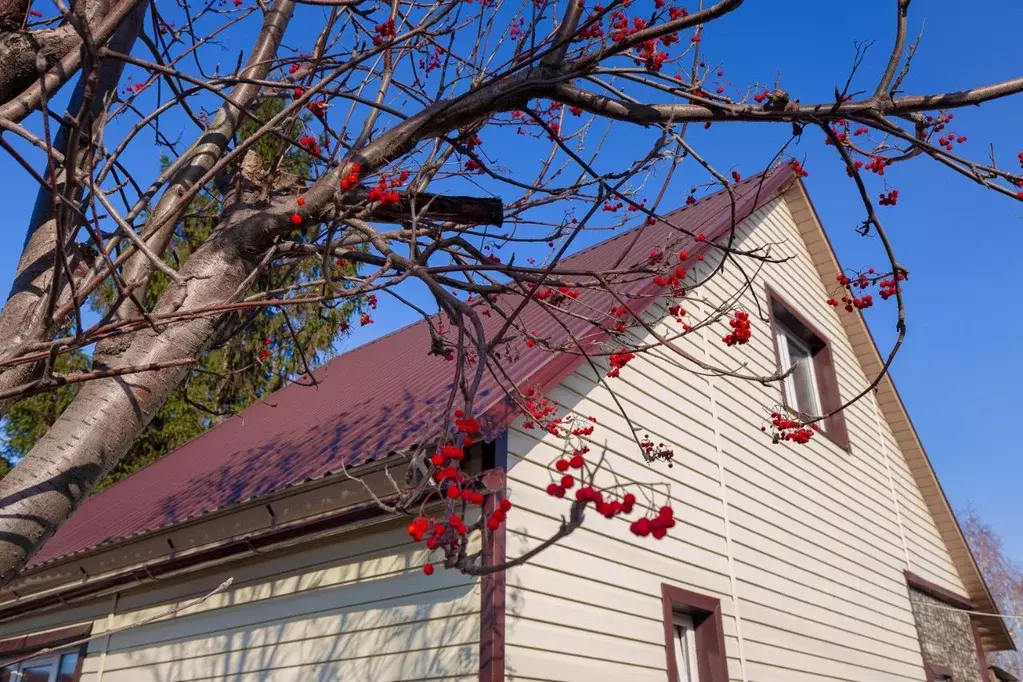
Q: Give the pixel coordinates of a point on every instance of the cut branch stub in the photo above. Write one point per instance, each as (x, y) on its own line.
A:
(454, 209)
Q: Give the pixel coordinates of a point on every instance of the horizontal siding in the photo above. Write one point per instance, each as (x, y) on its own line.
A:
(356, 610)
(816, 547)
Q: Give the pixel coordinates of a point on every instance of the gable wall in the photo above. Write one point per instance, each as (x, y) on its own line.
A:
(804, 545)
(357, 609)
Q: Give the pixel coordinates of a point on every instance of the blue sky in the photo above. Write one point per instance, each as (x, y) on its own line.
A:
(960, 372)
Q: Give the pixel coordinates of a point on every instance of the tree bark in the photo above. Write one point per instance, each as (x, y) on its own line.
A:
(19, 48)
(24, 317)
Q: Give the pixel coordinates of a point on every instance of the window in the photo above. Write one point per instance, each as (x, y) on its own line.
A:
(62, 665)
(685, 649)
(811, 388)
(801, 391)
(693, 636)
(58, 668)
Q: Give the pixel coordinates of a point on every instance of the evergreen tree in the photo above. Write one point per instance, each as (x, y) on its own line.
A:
(253, 356)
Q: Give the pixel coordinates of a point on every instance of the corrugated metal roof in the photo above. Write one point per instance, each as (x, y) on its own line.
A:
(379, 397)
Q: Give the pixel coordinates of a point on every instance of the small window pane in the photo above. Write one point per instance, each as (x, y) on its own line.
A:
(68, 665)
(36, 673)
(801, 389)
(685, 649)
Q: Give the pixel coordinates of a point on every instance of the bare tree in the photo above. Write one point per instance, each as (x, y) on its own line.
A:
(1004, 576)
(401, 101)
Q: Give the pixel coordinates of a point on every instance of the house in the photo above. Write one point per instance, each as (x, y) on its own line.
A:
(839, 559)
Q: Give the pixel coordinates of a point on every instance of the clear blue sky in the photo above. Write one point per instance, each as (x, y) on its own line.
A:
(961, 371)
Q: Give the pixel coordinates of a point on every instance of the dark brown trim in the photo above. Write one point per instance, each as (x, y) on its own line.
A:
(985, 676)
(823, 365)
(81, 662)
(933, 671)
(937, 591)
(705, 611)
(18, 647)
(492, 598)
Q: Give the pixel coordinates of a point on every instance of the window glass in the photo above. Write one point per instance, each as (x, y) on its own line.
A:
(68, 665)
(801, 390)
(685, 649)
(36, 672)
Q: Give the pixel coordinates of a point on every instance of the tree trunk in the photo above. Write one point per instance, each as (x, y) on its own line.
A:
(24, 318)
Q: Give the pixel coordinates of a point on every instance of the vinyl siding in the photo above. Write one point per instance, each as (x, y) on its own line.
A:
(815, 538)
(354, 610)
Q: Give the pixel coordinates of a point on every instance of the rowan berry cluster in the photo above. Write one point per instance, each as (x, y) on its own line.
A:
(653, 453)
(889, 199)
(618, 360)
(384, 32)
(741, 332)
(787, 429)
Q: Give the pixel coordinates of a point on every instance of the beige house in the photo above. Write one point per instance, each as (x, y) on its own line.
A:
(836, 560)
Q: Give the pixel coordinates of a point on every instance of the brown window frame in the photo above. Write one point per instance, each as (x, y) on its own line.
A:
(784, 316)
(933, 671)
(55, 643)
(711, 662)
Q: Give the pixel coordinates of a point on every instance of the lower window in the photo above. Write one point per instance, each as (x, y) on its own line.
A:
(58, 668)
(694, 636)
(685, 649)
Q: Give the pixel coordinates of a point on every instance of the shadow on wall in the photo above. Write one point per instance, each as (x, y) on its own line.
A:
(375, 617)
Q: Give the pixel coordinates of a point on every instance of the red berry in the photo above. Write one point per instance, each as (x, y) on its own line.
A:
(428, 569)
(296, 219)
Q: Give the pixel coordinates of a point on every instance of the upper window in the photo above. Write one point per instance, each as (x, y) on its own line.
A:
(801, 390)
(811, 388)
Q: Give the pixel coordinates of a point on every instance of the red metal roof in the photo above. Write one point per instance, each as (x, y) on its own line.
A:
(379, 397)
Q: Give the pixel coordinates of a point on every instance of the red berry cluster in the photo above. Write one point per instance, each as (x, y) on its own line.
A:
(499, 515)
(657, 526)
(515, 31)
(619, 360)
(384, 31)
(653, 453)
(673, 279)
(889, 287)
(556, 296)
(790, 429)
(317, 108)
(947, 141)
(309, 144)
(622, 315)
(741, 332)
(384, 190)
(889, 199)
(798, 169)
(877, 165)
(736, 177)
(351, 181)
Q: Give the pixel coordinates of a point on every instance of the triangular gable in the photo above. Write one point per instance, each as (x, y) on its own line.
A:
(994, 635)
